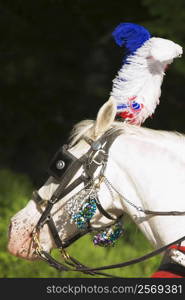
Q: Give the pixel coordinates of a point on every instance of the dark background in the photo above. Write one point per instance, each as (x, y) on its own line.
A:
(57, 63)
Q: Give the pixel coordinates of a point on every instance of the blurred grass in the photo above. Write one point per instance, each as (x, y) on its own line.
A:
(15, 191)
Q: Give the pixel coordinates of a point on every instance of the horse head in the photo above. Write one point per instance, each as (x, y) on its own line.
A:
(22, 225)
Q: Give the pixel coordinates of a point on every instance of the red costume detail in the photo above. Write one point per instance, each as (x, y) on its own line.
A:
(165, 274)
(180, 248)
(125, 115)
(132, 98)
(168, 274)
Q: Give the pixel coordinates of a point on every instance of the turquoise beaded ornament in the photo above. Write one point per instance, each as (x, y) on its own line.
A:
(86, 213)
(109, 236)
(104, 238)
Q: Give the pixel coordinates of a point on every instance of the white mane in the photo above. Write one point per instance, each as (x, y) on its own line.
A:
(174, 142)
(86, 127)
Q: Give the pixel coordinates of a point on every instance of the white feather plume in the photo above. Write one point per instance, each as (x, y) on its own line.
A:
(137, 87)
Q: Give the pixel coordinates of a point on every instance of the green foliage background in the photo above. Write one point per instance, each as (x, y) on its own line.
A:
(15, 193)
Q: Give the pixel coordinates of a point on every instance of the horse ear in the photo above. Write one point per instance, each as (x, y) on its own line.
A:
(105, 117)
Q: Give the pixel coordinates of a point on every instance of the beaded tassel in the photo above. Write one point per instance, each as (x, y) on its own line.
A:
(109, 236)
(87, 212)
(106, 237)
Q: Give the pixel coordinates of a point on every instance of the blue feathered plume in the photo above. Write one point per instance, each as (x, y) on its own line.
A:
(131, 36)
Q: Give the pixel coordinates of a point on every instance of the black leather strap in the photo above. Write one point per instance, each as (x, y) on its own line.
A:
(89, 167)
(103, 211)
(139, 259)
(54, 233)
(173, 268)
(53, 200)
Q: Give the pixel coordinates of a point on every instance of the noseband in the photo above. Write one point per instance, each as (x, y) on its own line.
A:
(63, 168)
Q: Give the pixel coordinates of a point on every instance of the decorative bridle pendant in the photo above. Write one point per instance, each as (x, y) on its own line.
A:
(109, 236)
(86, 212)
(104, 238)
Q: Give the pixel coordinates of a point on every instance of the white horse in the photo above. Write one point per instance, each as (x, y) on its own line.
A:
(146, 166)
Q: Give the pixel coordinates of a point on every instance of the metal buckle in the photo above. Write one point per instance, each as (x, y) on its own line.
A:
(53, 201)
(65, 255)
(100, 180)
(38, 199)
(93, 159)
(35, 238)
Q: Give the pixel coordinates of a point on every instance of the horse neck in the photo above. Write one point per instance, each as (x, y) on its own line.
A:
(150, 173)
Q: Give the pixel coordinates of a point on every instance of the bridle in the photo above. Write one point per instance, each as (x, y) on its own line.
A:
(63, 168)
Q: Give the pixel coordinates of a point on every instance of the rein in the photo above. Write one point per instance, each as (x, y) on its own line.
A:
(63, 172)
